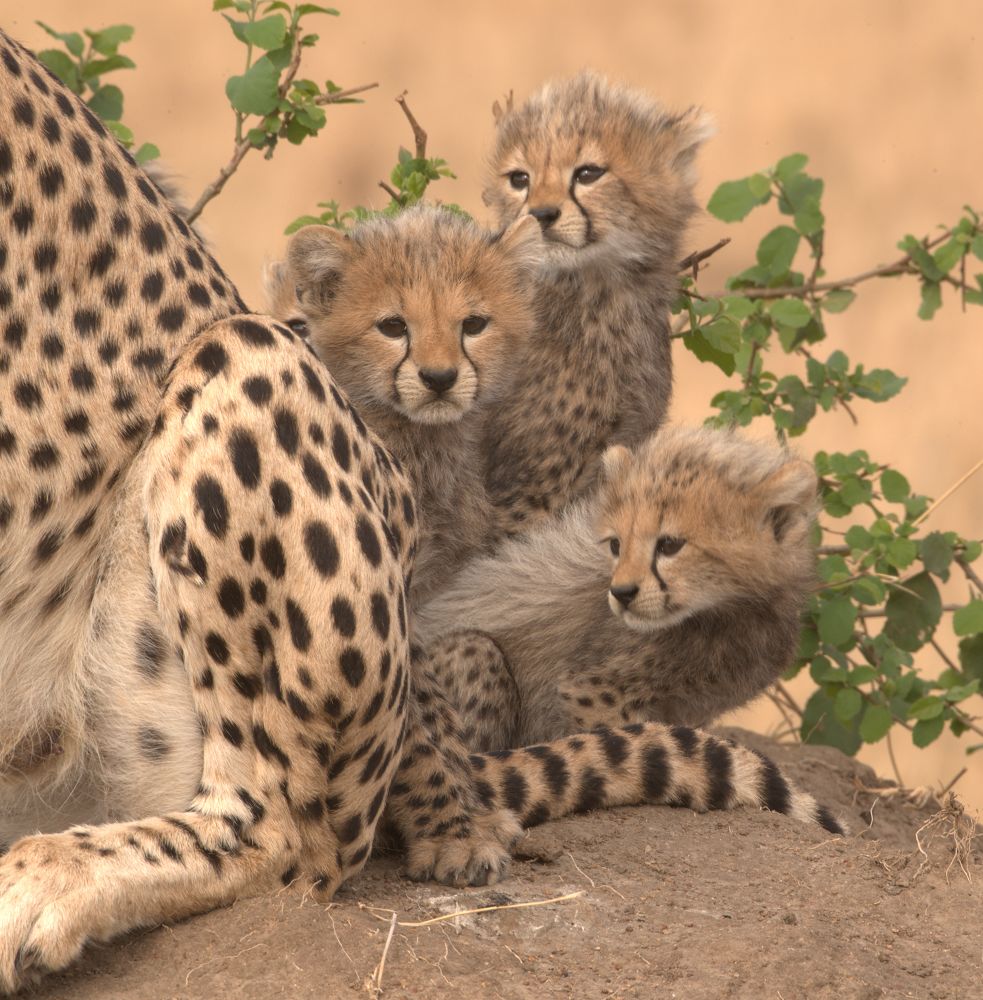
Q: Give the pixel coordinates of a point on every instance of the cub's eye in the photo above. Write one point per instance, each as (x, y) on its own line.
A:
(669, 546)
(392, 326)
(473, 325)
(519, 179)
(589, 173)
(615, 546)
(299, 326)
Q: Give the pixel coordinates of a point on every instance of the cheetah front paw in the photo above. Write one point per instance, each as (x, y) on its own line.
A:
(474, 853)
(43, 908)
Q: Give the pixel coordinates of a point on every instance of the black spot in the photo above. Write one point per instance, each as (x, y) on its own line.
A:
(23, 218)
(81, 149)
(685, 739)
(41, 505)
(341, 447)
(245, 458)
(556, 772)
(247, 548)
(147, 190)
(153, 746)
(115, 183)
(51, 129)
(368, 540)
(267, 748)
(151, 651)
(352, 666)
(14, 333)
(591, 794)
(212, 505)
(321, 548)
(82, 215)
(199, 294)
(655, 774)
(350, 829)
(108, 352)
(217, 648)
(282, 498)
(719, 773)
(315, 475)
(380, 615)
(298, 706)
(231, 598)
(300, 630)
(614, 745)
(13, 66)
(313, 382)
(114, 292)
(24, 112)
(86, 322)
(149, 358)
(48, 546)
(253, 333)
(51, 297)
(51, 180)
(196, 559)
(257, 591)
(343, 616)
(45, 257)
(152, 287)
(43, 456)
(248, 685)
(258, 389)
(152, 236)
(287, 431)
(27, 394)
(82, 378)
(171, 318)
(515, 788)
(173, 537)
(273, 556)
(212, 358)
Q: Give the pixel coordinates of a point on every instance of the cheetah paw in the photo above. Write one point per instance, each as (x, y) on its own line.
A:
(480, 857)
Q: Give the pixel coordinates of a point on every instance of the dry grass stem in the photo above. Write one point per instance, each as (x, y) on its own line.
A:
(478, 909)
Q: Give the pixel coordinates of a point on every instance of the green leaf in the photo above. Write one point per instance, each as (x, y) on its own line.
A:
(732, 200)
(724, 334)
(221, 4)
(913, 613)
(255, 92)
(107, 103)
(313, 8)
(901, 552)
(820, 725)
(705, 351)
(894, 486)
(93, 70)
(122, 132)
(847, 704)
(809, 218)
(836, 620)
(868, 590)
(927, 731)
(147, 152)
(738, 306)
(72, 39)
(971, 656)
(266, 33)
(858, 537)
(107, 40)
(977, 246)
(876, 722)
(790, 312)
(926, 708)
(948, 255)
(837, 300)
(789, 165)
(777, 250)
(63, 67)
(936, 553)
(759, 185)
(880, 384)
(969, 620)
(931, 299)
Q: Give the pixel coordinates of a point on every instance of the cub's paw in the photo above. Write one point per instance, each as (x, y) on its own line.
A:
(43, 908)
(474, 851)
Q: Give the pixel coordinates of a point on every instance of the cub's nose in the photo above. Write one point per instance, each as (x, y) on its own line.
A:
(439, 380)
(545, 216)
(625, 593)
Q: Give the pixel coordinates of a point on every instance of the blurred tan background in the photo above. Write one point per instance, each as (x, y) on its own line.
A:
(885, 98)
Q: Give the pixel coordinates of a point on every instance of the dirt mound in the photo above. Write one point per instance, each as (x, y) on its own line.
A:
(649, 902)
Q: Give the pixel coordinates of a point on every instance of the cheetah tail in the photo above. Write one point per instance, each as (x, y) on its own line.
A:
(646, 762)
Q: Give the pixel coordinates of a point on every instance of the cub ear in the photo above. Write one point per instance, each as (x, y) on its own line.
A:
(787, 497)
(687, 132)
(316, 259)
(523, 242)
(614, 461)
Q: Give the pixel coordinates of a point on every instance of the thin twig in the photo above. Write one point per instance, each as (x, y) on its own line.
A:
(902, 266)
(948, 493)
(881, 612)
(693, 261)
(894, 763)
(479, 909)
(970, 573)
(375, 982)
(419, 135)
(341, 95)
(392, 192)
(834, 550)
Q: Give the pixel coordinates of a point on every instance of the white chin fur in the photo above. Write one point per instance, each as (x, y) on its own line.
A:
(438, 412)
(638, 623)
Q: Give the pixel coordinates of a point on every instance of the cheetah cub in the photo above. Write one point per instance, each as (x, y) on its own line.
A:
(421, 319)
(609, 175)
(681, 585)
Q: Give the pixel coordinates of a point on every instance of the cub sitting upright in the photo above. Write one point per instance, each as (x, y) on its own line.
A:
(609, 176)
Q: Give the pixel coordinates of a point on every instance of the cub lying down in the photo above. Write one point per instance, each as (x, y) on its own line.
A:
(674, 594)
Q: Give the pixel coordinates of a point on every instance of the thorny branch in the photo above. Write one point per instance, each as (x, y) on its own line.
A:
(419, 139)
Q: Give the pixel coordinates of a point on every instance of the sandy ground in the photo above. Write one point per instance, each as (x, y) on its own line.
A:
(669, 904)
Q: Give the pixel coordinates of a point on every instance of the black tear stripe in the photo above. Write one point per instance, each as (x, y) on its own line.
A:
(589, 235)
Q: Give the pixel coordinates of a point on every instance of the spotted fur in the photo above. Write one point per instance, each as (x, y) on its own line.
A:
(609, 174)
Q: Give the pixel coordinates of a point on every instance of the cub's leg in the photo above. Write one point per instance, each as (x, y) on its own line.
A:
(280, 577)
(472, 672)
(450, 835)
(647, 762)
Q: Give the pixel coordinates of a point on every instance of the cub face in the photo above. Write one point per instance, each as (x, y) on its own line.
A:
(604, 169)
(422, 312)
(699, 519)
